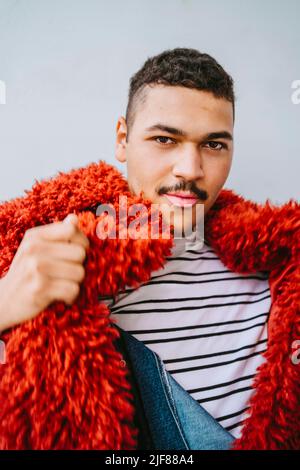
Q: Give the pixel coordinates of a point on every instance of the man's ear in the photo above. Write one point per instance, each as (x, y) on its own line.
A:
(121, 134)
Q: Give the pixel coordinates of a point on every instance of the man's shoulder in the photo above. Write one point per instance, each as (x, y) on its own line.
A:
(255, 236)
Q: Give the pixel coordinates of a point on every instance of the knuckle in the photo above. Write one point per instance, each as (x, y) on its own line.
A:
(28, 233)
(76, 289)
(73, 291)
(81, 253)
(32, 233)
(31, 245)
(81, 273)
(28, 245)
(34, 265)
(37, 286)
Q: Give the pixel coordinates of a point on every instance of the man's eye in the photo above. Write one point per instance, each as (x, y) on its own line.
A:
(215, 145)
(163, 140)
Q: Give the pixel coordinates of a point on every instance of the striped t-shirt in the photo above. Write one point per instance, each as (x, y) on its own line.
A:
(207, 324)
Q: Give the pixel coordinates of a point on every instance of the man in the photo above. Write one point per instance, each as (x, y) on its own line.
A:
(185, 137)
(205, 322)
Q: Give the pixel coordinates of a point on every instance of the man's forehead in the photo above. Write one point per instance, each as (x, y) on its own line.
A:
(154, 93)
(158, 101)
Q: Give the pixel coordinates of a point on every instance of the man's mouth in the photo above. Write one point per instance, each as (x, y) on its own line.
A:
(181, 199)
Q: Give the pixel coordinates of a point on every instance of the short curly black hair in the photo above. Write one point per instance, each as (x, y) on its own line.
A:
(179, 67)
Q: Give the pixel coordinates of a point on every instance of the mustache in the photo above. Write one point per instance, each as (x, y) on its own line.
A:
(183, 186)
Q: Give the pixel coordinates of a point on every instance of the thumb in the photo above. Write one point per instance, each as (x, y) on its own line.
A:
(71, 218)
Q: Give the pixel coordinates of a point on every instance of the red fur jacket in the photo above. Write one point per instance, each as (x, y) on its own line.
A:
(63, 385)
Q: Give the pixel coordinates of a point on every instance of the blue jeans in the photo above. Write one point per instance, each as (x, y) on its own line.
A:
(172, 418)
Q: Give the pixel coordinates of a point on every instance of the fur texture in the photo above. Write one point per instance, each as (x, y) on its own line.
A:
(63, 385)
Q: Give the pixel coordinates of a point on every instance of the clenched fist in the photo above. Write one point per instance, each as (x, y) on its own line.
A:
(47, 266)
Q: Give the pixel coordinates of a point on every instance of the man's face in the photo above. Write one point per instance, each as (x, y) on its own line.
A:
(180, 143)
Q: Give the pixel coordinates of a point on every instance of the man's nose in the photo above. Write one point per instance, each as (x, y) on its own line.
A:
(189, 164)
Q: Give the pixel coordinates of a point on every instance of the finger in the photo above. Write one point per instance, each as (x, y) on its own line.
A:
(61, 251)
(67, 271)
(60, 231)
(62, 290)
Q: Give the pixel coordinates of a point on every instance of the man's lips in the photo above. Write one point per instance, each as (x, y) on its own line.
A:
(183, 200)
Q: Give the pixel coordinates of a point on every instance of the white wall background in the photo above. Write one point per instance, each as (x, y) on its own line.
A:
(66, 65)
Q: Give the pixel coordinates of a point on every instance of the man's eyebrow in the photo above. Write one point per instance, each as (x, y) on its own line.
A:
(163, 127)
(173, 130)
(219, 135)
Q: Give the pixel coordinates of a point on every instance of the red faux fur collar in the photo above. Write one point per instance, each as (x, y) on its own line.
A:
(63, 386)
